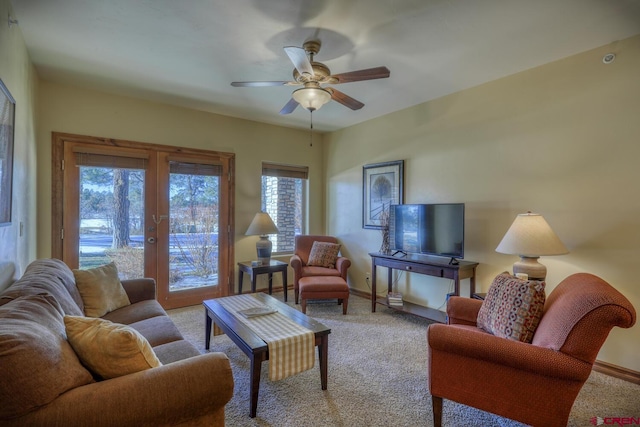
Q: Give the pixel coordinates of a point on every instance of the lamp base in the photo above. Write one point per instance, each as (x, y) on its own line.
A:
(531, 267)
(263, 247)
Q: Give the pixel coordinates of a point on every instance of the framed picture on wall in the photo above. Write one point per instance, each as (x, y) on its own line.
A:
(7, 121)
(381, 188)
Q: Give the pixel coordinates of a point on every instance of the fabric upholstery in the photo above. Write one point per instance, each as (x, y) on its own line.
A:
(135, 312)
(174, 351)
(189, 392)
(324, 287)
(464, 361)
(37, 364)
(108, 349)
(157, 330)
(50, 276)
(101, 290)
(300, 261)
(512, 308)
(324, 254)
(570, 322)
(43, 382)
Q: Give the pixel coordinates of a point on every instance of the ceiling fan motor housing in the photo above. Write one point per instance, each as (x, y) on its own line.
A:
(320, 74)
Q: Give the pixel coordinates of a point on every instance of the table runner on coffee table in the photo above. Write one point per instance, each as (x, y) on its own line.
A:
(291, 346)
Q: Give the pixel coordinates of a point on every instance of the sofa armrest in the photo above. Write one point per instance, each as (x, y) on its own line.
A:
(463, 311)
(342, 264)
(140, 289)
(171, 394)
(473, 343)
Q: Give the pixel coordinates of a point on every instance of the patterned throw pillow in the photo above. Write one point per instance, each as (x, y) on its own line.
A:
(512, 308)
(324, 254)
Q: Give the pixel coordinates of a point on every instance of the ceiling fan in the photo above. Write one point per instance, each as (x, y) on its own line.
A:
(312, 75)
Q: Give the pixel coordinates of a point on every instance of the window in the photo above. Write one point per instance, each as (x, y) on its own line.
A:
(284, 189)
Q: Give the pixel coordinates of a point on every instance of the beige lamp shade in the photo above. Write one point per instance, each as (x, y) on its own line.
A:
(262, 225)
(530, 237)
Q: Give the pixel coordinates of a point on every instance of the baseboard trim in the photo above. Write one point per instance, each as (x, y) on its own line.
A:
(360, 293)
(599, 366)
(617, 371)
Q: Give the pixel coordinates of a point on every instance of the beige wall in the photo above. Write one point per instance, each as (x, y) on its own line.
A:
(561, 139)
(85, 112)
(18, 249)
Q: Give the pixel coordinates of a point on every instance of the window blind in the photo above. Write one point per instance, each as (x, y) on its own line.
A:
(285, 171)
(110, 161)
(195, 168)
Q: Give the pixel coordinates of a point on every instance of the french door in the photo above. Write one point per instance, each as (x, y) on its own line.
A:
(155, 211)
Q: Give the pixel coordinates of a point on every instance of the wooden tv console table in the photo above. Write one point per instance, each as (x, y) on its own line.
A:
(421, 264)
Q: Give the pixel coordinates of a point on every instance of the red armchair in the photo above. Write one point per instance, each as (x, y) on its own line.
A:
(300, 258)
(535, 383)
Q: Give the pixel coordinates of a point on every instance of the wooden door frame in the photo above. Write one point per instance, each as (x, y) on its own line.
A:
(226, 250)
(167, 298)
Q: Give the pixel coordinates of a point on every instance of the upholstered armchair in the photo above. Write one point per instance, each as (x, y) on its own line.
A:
(300, 260)
(534, 383)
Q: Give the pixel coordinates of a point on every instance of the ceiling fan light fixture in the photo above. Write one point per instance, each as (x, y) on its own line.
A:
(312, 98)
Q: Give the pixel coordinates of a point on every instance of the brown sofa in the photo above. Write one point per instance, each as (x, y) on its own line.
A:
(42, 381)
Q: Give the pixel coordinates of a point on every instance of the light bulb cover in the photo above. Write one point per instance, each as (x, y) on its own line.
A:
(311, 98)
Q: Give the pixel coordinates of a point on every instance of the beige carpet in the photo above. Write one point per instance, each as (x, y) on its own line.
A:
(377, 377)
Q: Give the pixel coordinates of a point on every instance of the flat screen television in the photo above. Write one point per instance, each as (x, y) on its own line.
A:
(430, 229)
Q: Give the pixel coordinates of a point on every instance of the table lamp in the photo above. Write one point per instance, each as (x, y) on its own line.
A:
(262, 225)
(531, 237)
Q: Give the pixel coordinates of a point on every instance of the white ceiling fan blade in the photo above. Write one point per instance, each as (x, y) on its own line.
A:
(299, 58)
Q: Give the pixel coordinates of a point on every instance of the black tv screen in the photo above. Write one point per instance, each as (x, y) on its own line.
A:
(431, 229)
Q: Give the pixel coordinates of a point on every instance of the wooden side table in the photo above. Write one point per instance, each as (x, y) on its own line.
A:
(253, 271)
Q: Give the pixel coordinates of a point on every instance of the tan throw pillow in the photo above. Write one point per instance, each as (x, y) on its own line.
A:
(101, 290)
(324, 254)
(109, 349)
(512, 308)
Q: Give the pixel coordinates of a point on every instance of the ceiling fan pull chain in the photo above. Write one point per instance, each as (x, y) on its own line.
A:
(311, 129)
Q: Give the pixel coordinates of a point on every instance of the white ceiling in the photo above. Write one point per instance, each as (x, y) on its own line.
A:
(187, 52)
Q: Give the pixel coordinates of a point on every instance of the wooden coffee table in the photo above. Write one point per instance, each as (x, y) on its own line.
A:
(254, 347)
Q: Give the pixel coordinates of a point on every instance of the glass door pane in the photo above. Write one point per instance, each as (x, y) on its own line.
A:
(193, 226)
(111, 207)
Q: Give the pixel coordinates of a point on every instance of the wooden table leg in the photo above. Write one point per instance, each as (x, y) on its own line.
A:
(253, 282)
(472, 283)
(285, 285)
(270, 282)
(207, 329)
(240, 274)
(256, 366)
(323, 353)
(373, 287)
